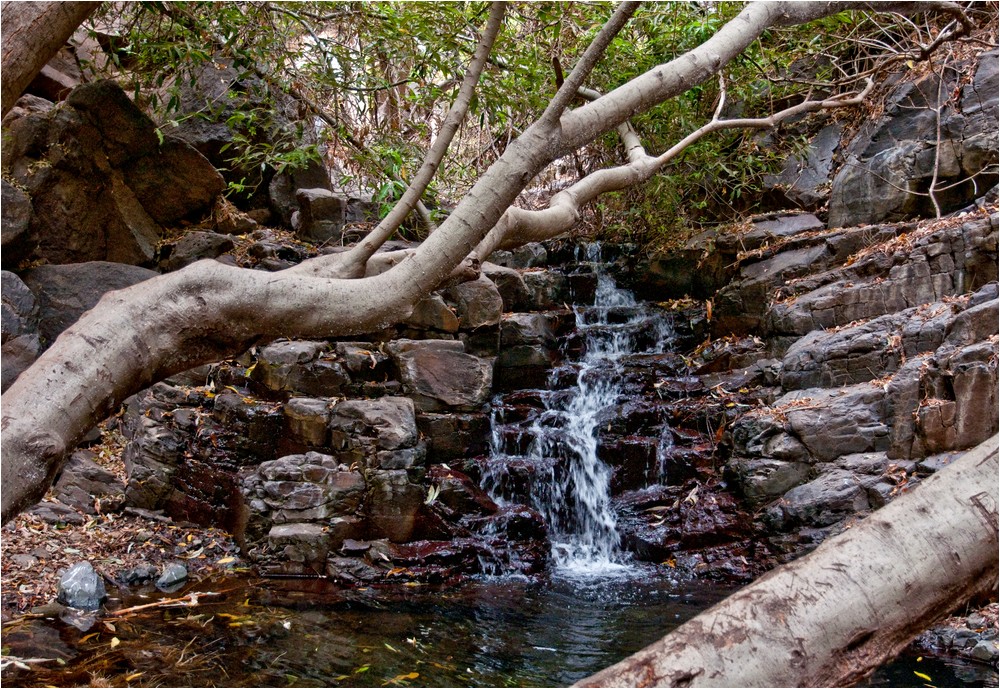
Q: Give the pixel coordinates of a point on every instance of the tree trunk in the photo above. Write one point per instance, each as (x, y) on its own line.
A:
(833, 616)
(32, 33)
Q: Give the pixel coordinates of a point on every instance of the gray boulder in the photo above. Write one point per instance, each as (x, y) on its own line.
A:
(320, 217)
(192, 247)
(15, 218)
(82, 587)
(477, 303)
(65, 292)
(890, 165)
(18, 327)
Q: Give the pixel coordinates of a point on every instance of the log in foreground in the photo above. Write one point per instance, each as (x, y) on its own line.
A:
(833, 616)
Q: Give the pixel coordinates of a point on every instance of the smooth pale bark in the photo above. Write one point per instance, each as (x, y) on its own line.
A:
(206, 311)
(833, 616)
(32, 33)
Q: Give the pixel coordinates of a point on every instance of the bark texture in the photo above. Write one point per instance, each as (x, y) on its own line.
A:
(832, 617)
(32, 33)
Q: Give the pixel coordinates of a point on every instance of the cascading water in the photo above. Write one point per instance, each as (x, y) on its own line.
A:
(558, 447)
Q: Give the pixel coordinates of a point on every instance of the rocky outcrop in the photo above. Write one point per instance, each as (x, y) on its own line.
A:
(101, 182)
(937, 132)
(19, 330)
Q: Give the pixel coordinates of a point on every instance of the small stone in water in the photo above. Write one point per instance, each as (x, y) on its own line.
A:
(174, 575)
(81, 587)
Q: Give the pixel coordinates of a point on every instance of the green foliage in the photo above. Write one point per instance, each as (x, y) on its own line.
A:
(386, 72)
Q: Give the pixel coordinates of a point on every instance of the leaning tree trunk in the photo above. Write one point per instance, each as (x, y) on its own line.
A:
(32, 33)
(833, 616)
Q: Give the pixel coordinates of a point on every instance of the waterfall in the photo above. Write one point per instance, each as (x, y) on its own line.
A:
(569, 483)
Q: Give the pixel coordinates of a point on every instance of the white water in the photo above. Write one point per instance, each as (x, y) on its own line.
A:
(574, 495)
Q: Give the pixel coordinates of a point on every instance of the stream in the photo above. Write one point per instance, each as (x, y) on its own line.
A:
(595, 605)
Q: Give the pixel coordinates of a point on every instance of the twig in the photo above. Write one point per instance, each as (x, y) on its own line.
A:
(188, 601)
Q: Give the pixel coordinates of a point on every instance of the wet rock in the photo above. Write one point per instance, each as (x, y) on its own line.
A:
(320, 217)
(82, 587)
(172, 577)
(459, 493)
(82, 480)
(18, 328)
(454, 436)
(352, 571)
(307, 487)
(137, 576)
(440, 375)
(64, 292)
(393, 504)
(192, 247)
(477, 303)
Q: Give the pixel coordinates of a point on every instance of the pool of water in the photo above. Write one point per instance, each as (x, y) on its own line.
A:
(291, 633)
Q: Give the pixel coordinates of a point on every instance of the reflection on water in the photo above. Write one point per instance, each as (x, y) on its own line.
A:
(499, 632)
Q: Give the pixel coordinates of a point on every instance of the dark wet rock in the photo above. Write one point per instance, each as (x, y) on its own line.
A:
(15, 218)
(393, 504)
(172, 577)
(192, 247)
(439, 375)
(82, 480)
(459, 493)
(308, 487)
(65, 292)
(82, 587)
(320, 216)
(765, 479)
(454, 436)
(137, 576)
(477, 303)
(352, 571)
(21, 344)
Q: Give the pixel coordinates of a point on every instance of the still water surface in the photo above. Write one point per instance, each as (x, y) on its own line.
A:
(488, 633)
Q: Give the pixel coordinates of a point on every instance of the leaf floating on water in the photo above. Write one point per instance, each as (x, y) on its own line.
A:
(362, 669)
(926, 678)
(390, 648)
(401, 678)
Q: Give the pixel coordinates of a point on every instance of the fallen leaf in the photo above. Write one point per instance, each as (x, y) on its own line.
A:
(115, 641)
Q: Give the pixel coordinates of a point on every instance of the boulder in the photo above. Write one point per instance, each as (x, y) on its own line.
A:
(805, 179)
(439, 375)
(82, 587)
(509, 283)
(65, 292)
(100, 181)
(431, 313)
(388, 419)
(18, 327)
(192, 247)
(320, 217)
(477, 303)
(15, 219)
(890, 164)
